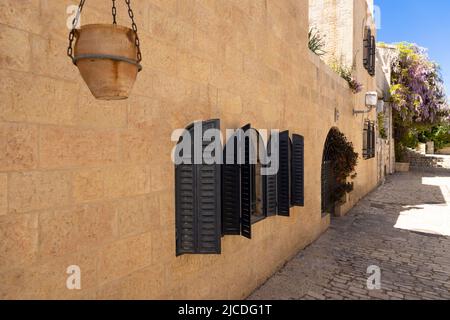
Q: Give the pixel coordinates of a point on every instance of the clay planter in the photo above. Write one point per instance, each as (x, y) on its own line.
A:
(106, 55)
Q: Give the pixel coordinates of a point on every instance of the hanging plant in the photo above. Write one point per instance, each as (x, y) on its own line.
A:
(108, 56)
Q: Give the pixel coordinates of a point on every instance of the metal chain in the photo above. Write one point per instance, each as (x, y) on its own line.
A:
(72, 32)
(114, 11)
(134, 27)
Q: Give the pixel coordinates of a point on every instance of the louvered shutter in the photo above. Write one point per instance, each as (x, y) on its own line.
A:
(185, 209)
(366, 140)
(373, 142)
(198, 205)
(246, 189)
(270, 190)
(298, 155)
(283, 181)
(373, 48)
(367, 49)
(231, 191)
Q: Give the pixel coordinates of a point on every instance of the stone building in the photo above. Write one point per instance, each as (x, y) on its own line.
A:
(91, 183)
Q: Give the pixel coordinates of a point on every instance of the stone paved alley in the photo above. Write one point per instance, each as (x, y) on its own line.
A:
(403, 227)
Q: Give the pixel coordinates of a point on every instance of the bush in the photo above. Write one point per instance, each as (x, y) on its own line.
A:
(439, 134)
(343, 161)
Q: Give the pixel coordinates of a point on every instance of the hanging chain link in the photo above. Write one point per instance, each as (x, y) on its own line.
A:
(114, 11)
(72, 32)
(134, 27)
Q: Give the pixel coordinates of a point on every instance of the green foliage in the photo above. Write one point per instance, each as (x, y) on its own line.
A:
(381, 128)
(316, 43)
(346, 73)
(410, 140)
(439, 134)
(343, 160)
(403, 136)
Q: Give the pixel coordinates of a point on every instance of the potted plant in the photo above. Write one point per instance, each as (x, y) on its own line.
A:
(108, 56)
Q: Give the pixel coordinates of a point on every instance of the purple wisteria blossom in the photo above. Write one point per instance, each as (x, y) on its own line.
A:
(417, 89)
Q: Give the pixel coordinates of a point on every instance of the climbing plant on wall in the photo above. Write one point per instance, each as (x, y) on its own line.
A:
(343, 162)
(417, 88)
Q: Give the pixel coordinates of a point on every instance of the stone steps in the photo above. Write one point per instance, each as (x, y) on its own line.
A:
(422, 162)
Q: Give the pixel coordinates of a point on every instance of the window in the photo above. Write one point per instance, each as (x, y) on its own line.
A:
(369, 52)
(197, 196)
(243, 186)
(369, 141)
(213, 200)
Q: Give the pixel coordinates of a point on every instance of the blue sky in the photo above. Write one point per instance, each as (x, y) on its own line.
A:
(425, 22)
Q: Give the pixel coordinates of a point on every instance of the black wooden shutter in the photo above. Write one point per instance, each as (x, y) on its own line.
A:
(283, 181)
(298, 155)
(198, 205)
(231, 191)
(373, 136)
(270, 190)
(373, 48)
(246, 189)
(366, 140)
(367, 49)
(186, 229)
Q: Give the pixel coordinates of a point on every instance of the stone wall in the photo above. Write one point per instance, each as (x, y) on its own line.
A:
(90, 183)
(334, 20)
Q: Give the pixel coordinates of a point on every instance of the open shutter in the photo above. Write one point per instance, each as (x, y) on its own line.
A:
(270, 190)
(283, 181)
(373, 137)
(185, 209)
(246, 189)
(231, 191)
(366, 142)
(198, 205)
(373, 47)
(298, 155)
(367, 49)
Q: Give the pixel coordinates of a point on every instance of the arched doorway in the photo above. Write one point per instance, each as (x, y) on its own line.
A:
(327, 178)
(339, 161)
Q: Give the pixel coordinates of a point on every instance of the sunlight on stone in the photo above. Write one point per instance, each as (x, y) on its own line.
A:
(428, 218)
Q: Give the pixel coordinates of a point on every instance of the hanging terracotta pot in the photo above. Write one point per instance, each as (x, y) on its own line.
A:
(108, 57)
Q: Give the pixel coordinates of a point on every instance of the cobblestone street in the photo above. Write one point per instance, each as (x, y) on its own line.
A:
(403, 228)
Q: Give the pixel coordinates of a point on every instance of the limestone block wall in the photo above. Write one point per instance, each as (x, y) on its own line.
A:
(90, 183)
(334, 20)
